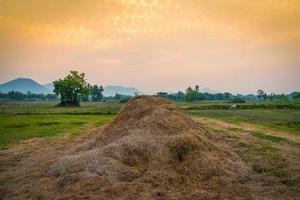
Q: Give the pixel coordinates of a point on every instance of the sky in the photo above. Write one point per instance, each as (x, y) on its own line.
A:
(237, 46)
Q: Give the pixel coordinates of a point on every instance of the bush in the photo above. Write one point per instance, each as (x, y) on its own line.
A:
(125, 99)
(237, 100)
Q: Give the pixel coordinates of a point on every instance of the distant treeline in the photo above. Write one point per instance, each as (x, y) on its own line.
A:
(195, 95)
(189, 95)
(19, 96)
(95, 95)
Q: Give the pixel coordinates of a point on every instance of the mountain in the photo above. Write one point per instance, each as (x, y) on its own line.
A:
(23, 85)
(111, 90)
(49, 86)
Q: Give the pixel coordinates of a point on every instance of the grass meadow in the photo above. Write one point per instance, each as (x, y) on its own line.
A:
(24, 120)
(266, 136)
(281, 119)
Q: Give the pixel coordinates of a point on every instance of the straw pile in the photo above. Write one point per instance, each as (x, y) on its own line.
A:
(151, 150)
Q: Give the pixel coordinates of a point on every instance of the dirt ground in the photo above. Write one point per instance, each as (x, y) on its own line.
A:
(153, 150)
(277, 163)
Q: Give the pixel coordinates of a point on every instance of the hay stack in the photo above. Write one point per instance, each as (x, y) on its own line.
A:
(151, 150)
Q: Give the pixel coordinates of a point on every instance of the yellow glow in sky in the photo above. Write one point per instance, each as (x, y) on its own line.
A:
(233, 45)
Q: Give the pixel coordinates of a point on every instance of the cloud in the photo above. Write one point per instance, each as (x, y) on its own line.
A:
(108, 23)
(116, 39)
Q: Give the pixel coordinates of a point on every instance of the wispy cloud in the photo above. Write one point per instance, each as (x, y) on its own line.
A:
(177, 39)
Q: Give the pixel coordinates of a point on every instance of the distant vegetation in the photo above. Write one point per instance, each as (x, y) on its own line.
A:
(19, 96)
(74, 89)
(192, 95)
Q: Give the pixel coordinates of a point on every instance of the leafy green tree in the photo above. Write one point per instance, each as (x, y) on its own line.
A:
(271, 97)
(179, 96)
(190, 94)
(197, 88)
(84, 98)
(227, 95)
(281, 97)
(14, 95)
(261, 94)
(96, 93)
(162, 94)
(194, 95)
(125, 99)
(189, 90)
(237, 100)
(71, 88)
(118, 96)
(296, 96)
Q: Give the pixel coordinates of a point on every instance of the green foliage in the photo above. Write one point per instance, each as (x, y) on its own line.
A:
(125, 99)
(162, 94)
(237, 100)
(223, 105)
(296, 96)
(18, 96)
(96, 93)
(71, 88)
(278, 97)
(179, 96)
(261, 94)
(194, 95)
(122, 98)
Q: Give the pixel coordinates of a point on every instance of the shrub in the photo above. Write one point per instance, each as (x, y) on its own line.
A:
(125, 99)
(237, 100)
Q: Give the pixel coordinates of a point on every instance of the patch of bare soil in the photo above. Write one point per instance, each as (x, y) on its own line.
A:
(247, 127)
(152, 150)
(277, 164)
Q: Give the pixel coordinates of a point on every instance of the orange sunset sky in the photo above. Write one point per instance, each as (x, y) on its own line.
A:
(155, 45)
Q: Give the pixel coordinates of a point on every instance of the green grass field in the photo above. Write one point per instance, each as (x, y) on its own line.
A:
(50, 108)
(282, 119)
(14, 128)
(24, 120)
(266, 153)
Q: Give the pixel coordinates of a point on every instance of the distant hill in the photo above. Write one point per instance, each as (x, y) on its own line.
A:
(24, 85)
(49, 86)
(111, 90)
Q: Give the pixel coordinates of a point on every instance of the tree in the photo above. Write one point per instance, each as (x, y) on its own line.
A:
(295, 96)
(189, 90)
(162, 94)
(118, 96)
(227, 96)
(96, 93)
(272, 96)
(261, 94)
(190, 94)
(194, 95)
(71, 88)
(197, 88)
(281, 97)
